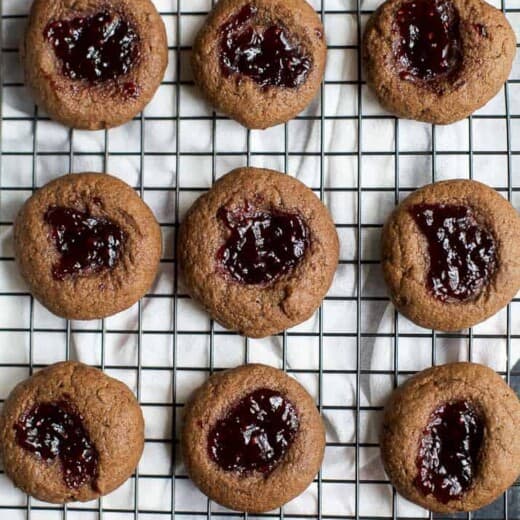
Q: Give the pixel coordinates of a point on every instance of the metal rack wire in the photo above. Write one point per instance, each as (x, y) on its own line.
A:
(164, 491)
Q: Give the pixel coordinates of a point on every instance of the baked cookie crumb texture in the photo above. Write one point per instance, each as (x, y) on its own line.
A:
(258, 251)
(260, 61)
(87, 245)
(450, 254)
(92, 64)
(449, 439)
(70, 433)
(252, 438)
(437, 60)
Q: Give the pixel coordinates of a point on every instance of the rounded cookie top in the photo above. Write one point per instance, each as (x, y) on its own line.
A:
(87, 245)
(259, 251)
(449, 439)
(451, 254)
(437, 60)
(70, 433)
(92, 64)
(260, 61)
(252, 469)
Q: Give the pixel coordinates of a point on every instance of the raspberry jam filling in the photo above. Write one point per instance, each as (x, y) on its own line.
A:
(255, 434)
(86, 244)
(449, 451)
(429, 44)
(262, 245)
(55, 430)
(462, 253)
(94, 48)
(263, 51)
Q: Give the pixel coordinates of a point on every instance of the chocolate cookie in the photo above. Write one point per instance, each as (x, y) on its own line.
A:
(252, 438)
(450, 439)
(70, 433)
(94, 64)
(451, 254)
(87, 245)
(437, 60)
(260, 61)
(259, 251)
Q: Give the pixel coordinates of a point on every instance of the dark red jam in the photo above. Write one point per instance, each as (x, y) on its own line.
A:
(429, 45)
(56, 429)
(130, 90)
(481, 29)
(462, 252)
(86, 244)
(262, 50)
(262, 245)
(94, 48)
(255, 434)
(449, 451)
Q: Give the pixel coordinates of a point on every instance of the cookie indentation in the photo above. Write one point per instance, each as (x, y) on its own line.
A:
(255, 434)
(429, 43)
(262, 245)
(449, 451)
(94, 48)
(462, 253)
(86, 244)
(55, 429)
(264, 52)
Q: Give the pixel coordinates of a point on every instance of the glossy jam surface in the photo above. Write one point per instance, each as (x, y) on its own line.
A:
(448, 456)
(255, 434)
(262, 245)
(481, 30)
(94, 48)
(429, 45)
(462, 252)
(56, 429)
(264, 52)
(86, 244)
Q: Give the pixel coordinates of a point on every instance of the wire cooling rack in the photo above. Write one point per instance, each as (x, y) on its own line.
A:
(165, 346)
